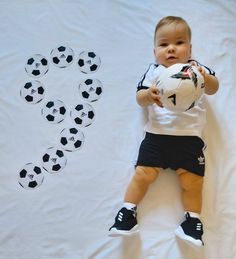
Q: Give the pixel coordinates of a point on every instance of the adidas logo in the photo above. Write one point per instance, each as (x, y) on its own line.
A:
(201, 160)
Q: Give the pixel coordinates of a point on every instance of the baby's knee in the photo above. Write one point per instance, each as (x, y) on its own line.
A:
(190, 181)
(146, 174)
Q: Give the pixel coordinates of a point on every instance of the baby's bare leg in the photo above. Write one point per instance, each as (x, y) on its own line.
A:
(191, 190)
(140, 182)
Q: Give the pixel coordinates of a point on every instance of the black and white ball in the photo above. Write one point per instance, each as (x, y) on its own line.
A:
(71, 139)
(32, 92)
(36, 66)
(30, 176)
(53, 160)
(89, 62)
(54, 111)
(83, 114)
(62, 56)
(90, 90)
(181, 86)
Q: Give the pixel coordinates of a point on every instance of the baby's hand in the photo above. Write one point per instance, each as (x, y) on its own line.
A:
(200, 68)
(153, 95)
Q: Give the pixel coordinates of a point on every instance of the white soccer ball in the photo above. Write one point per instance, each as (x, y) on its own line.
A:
(54, 111)
(180, 86)
(83, 114)
(36, 66)
(30, 176)
(71, 139)
(32, 92)
(88, 62)
(53, 160)
(90, 90)
(62, 56)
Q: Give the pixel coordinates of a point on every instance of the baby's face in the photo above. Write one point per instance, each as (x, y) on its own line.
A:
(172, 44)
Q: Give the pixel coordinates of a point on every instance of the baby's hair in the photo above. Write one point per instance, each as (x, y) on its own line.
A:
(171, 19)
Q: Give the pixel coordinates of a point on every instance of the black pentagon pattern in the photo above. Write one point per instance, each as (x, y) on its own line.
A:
(50, 104)
(32, 184)
(59, 153)
(88, 81)
(91, 55)
(98, 91)
(56, 167)
(46, 158)
(64, 141)
(90, 114)
(61, 48)
(30, 61)
(69, 58)
(37, 170)
(40, 90)
(73, 130)
(93, 67)
(29, 98)
(28, 85)
(77, 144)
(85, 94)
(62, 110)
(23, 173)
(56, 60)
(36, 72)
(44, 61)
(81, 62)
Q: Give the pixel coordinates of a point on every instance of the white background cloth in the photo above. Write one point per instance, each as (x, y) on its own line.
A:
(69, 215)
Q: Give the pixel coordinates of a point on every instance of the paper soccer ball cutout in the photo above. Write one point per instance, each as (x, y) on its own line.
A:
(53, 160)
(36, 66)
(71, 139)
(32, 92)
(54, 111)
(180, 86)
(83, 114)
(90, 90)
(88, 62)
(62, 56)
(30, 176)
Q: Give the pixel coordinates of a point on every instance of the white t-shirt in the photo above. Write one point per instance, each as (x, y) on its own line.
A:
(163, 121)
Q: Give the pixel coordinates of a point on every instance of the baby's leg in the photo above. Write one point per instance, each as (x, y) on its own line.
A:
(191, 230)
(140, 182)
(191, 185)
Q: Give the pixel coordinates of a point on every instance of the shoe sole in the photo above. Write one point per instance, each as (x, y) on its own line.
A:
(180, 234)
(116, 232)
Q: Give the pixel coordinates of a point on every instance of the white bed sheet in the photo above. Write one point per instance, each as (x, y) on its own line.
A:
(68, 216)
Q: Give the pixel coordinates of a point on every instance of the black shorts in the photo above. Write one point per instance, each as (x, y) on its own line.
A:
(173, 152)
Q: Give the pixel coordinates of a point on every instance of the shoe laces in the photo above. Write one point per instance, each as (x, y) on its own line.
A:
(128, 213)
(195, 221)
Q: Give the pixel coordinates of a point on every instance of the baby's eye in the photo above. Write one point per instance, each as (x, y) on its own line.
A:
(163, 44)
(180, 42)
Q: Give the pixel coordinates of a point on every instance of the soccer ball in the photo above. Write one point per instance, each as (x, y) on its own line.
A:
(83, 114)
(62, 56)
(71, 139)
(32, 92)
(53, 160)
(54, 111)
(30, 176)
(89, 62)
(90, 90)
(36, 66)
(180, 86)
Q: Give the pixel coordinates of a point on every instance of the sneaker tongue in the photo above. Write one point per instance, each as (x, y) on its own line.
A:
(192, 214)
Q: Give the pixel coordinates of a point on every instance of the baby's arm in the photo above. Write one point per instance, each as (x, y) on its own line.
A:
(211, 81)
(148, 96)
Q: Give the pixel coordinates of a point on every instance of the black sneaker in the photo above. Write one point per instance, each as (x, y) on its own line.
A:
(191, 230)
(125, 223)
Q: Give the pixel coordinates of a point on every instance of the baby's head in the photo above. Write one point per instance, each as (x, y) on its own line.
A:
(172, 41)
